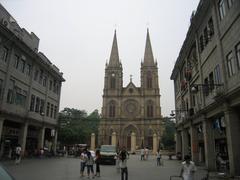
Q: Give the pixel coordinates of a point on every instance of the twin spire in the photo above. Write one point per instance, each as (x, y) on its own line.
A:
(148, 54)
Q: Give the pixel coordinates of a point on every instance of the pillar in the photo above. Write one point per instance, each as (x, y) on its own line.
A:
(185, 143)
(155, 143)
(232, 133)
(194, 144)
(210, 158)
(93, 141)
(133, 142)
(41, 136)
(114, 139)
(23, 137)
(55, 141)
(1, 131)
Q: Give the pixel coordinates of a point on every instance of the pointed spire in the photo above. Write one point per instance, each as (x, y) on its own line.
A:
(114, 57)
(148, 55)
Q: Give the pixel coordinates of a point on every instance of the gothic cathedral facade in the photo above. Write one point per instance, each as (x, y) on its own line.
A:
(131, 116)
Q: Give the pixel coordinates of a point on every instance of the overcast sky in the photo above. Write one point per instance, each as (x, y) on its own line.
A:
(77, 35)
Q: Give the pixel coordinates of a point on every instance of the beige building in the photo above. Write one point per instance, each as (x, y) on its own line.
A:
(131, 116)
(30, 88)
(207, 86)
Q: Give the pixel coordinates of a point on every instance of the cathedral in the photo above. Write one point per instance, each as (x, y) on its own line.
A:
(131, 116)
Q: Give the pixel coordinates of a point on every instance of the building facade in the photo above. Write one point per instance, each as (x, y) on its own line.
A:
(131, 116)
(30, 88)
(207, 86)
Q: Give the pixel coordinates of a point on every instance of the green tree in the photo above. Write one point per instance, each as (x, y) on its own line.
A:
(168, 139)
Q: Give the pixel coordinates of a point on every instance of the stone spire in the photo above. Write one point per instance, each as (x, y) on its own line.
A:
(148, 55)
(114, 57)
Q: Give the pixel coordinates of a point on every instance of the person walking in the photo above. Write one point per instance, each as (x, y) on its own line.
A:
(142, 153)
(123, 163)
(188, 169)
(158, 157)
(89, 164)
(83, 159)
(18, 154)
(97, 161)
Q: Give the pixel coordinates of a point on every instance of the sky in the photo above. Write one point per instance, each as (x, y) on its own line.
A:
(77, 35)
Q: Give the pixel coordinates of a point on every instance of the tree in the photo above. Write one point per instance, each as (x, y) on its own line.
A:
(168, 135)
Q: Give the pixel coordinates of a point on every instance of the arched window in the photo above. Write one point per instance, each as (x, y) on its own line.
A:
(150, 109)
(112, 110)
(113, 81)
(149, 80)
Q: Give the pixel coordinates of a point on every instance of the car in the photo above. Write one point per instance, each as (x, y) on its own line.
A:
(4, 174)
(108, 154)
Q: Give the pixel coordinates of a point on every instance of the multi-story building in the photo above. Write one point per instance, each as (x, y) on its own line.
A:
(207, 86)
(131, 115)
(30, 88)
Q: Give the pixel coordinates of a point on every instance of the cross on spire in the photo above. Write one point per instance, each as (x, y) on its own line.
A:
(131, 77)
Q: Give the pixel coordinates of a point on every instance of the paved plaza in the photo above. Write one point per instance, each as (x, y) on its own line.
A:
(67, 168)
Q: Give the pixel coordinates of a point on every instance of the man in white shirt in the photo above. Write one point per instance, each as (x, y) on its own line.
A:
(123, 156)
(142, 154)
(18, 154)
(188, 169)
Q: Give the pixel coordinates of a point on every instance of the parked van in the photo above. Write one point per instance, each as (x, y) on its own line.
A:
(108, 154)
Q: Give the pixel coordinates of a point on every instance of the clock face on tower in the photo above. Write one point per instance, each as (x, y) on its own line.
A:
(131, 108)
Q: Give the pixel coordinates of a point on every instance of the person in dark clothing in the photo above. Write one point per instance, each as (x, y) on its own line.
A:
(97, 161)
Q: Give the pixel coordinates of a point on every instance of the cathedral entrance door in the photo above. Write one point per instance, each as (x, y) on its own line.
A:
(150, 142)
(129, 142)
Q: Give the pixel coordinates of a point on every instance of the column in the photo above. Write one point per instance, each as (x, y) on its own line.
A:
(155, 143)
(1, 128)
(55, 141)
(41, 136)
(185, 143)
(133, 142)
(232, 133)
(114, 139)
(210, 158)
(194, 144)
(23, 137)
(93, 141)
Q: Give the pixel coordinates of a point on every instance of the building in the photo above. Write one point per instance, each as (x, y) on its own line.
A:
(30, 88)
(131, 116)
(207, 86)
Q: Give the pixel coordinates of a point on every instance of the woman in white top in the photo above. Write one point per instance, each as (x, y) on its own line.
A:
(188, 169)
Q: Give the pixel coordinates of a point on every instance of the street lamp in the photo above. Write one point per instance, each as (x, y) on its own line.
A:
(177, 110)
(195, 87)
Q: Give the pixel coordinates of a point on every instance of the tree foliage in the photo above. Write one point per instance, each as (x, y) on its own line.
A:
(168, 139)
(76, 126)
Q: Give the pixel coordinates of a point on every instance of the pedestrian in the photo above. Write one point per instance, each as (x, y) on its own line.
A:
(158, 157)
(89, 164)
(18, 154)
(117, 158)
(123, 163)
(97, 161)
(83, 159)
(142, 153)
(146, 151)
(188, 169)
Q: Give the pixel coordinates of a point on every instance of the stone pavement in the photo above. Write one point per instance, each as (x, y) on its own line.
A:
(68, 169)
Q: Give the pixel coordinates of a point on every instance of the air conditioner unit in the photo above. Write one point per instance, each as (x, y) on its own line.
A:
(5, 23)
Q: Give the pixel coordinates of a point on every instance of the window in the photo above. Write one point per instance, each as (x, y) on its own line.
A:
(10, 95)
(205, 32)
(16, 61)
(48, 108)
(44, 80)
(206, 87)
(50, 85)
(222, 10)
(32, 104)
(211, 27)
(37, 106)
(230, 3)
(41, 76)
(149, 80)
(22, 66)
(238, 54)
(42, 104)
(4, 54)
(28, 69)
(201, 43)
(112, 82)
(55, 112)
(211, 81)
(112, 110)
(36, 75)
(230, 64)
(217, 75)
(51, 112)
(149, 110)
(1, 88)
(18, 95)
